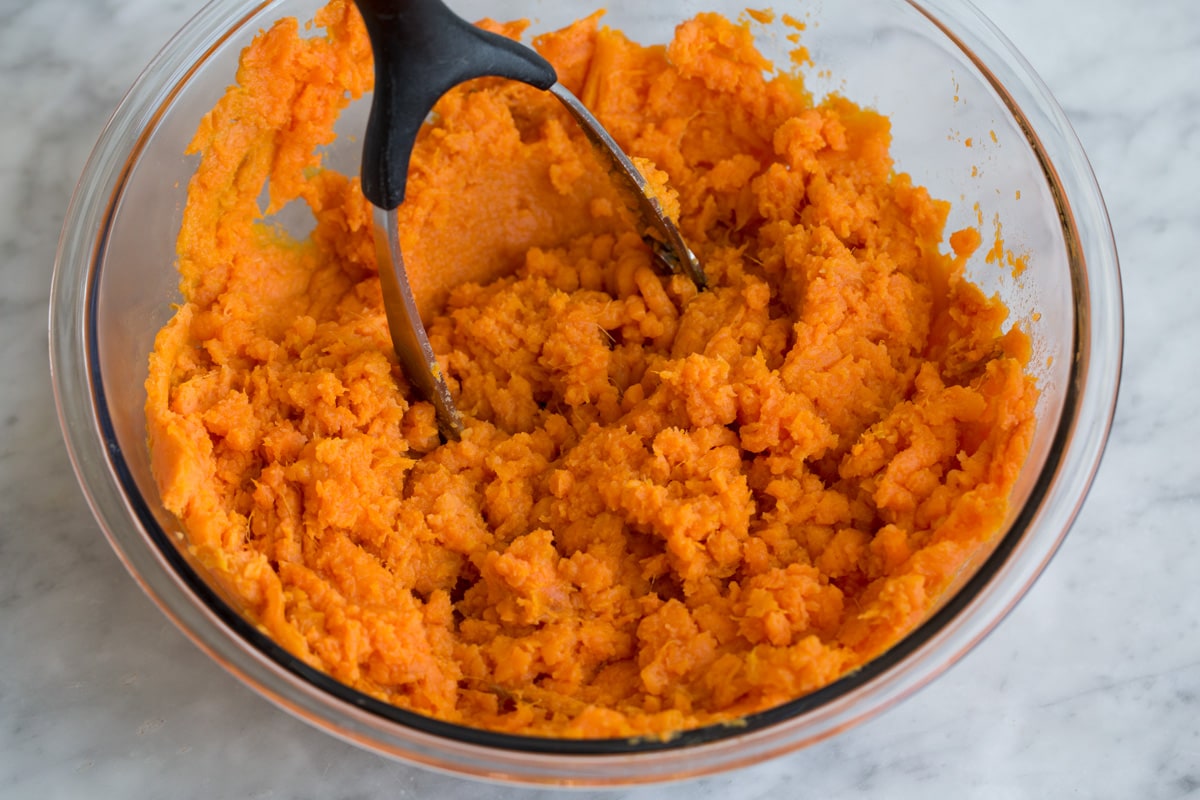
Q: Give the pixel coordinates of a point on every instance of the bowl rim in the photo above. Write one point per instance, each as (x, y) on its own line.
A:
(202, 614)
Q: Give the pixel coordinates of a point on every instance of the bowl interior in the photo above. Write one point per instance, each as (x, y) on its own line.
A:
(954, 132)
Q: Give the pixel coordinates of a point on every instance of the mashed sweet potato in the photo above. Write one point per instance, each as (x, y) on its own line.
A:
(669, 507)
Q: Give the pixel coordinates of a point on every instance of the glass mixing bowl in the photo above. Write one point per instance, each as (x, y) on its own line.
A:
(937, 68)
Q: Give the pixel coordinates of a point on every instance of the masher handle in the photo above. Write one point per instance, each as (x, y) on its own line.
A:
(422, 50)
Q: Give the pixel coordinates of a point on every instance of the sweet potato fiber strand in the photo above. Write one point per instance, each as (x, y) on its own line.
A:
(669, 507)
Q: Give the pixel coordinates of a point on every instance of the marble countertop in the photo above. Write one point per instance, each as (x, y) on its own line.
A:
(1091, 688)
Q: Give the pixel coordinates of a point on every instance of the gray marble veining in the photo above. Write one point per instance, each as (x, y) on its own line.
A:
(1090, 689)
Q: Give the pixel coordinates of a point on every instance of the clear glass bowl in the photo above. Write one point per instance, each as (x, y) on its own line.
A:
(942, 73)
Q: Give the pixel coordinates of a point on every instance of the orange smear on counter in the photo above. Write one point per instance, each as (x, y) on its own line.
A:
(669, 508)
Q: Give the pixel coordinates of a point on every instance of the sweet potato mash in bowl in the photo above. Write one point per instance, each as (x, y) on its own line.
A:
(730, 520)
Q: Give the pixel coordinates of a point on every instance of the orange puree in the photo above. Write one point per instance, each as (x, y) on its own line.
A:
(669, 507)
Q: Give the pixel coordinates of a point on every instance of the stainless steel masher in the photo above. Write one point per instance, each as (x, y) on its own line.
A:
(423, 49)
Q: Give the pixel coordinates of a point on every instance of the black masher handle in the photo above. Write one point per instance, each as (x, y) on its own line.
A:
(423, 49)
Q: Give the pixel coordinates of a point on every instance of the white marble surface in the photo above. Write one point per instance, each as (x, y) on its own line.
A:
(1090, 689)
